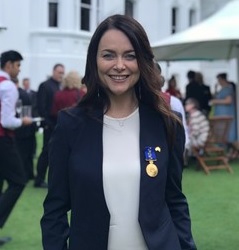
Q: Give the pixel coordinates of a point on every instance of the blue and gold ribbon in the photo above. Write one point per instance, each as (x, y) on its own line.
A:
(150, 156)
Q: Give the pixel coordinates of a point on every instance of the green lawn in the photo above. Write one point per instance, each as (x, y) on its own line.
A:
(213, 201)
(214, 207)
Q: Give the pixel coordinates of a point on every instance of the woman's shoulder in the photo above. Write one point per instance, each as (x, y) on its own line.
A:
(79, 114)
(71, 123)
(227, 90)
(150, 114)
(71, 116)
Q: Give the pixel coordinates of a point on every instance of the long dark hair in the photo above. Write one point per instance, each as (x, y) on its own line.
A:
(148, 88)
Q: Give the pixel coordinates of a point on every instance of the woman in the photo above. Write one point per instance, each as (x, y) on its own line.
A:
(113, 162)
(172, 88)
(69, 95)
(225, 105)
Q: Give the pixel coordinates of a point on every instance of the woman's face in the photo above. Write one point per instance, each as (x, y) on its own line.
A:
(221, 81)
(117, 64)
(172, 83)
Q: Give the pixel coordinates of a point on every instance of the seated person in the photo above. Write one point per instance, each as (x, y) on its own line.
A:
(198, 124)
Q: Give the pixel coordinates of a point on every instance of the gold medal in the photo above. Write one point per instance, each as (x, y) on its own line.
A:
(152, 170)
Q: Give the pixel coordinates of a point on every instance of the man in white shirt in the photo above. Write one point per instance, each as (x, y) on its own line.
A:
(11, 168)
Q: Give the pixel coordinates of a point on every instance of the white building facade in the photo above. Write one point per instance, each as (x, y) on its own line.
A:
(47, 32)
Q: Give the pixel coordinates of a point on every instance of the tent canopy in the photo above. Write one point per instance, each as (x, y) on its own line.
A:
(214, 38)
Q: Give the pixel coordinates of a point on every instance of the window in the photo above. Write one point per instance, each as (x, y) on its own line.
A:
(53, 13)
(192, 17)
(174, 20)
(85, 11)
(129, 8)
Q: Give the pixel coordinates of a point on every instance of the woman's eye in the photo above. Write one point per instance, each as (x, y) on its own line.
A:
(130, 56)
(108, 56)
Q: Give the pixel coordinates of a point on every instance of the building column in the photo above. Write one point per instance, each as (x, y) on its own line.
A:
(67, 14)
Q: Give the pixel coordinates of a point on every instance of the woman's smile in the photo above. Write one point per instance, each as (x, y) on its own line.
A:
(119, 78)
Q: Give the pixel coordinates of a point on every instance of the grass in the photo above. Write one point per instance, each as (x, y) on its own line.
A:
(213, 201)
(214, 207)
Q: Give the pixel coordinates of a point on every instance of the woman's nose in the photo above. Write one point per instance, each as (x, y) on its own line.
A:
(119, 64)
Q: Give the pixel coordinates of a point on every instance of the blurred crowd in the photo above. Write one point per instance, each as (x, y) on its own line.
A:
(200, 103)
(62, 90)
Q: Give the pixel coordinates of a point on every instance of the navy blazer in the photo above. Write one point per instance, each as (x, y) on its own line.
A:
(76, 185)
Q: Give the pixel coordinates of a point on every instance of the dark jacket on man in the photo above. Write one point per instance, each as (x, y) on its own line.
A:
(45, 98)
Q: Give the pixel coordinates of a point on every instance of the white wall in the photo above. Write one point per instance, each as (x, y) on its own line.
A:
(42, 47)
(209, 7)
(162, 29)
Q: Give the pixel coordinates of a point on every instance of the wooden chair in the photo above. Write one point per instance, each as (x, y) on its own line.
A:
(213, 155)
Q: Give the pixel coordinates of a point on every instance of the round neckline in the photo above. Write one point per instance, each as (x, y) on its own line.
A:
(122, 118)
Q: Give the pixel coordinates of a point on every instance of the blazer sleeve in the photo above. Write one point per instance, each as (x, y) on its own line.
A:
(175, 199)
(54, 223)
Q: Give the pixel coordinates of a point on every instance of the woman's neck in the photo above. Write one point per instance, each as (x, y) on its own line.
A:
(122, 107)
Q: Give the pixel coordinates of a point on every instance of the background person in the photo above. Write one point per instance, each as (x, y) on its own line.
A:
(11, 167)
(194, 89)
(45, 96)
(198, 124)
(206, 95)
(26, 84)
(25, 136)
(103, 154)
(173, 89)
(69, 95)
(175, 104)
(224, 105)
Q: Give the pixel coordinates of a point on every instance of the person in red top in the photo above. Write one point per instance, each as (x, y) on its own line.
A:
(69, 95)
(172, 88)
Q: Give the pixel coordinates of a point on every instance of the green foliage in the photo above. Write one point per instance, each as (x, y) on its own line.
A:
(213, 202)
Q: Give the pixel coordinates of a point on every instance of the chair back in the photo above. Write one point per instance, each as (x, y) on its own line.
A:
(219, 128)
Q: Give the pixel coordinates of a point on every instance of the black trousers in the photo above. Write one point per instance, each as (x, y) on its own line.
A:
(11, 171)
(26, 147)
(43, 162)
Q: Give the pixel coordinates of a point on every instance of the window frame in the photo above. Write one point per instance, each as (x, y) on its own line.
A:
(174, 19)
(192, 17)
(53, 18)
(83, 7)
(129, 8)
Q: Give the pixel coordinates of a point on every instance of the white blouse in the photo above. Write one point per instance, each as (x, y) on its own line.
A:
(121, 178)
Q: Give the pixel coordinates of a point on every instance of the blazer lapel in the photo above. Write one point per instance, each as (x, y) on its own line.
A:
(152, 134)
